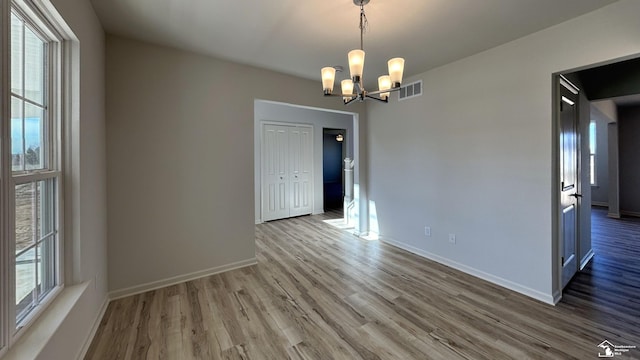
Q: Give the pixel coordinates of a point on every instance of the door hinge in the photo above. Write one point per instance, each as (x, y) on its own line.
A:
(563, 260)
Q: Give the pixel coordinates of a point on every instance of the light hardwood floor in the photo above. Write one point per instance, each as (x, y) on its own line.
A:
(321, 293)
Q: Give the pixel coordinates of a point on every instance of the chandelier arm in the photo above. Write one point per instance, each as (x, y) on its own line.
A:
(349, 102)
(385, 100)
(342, 95)
(382, 91)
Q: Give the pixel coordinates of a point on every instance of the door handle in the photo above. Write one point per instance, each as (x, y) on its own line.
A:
(281, 177)
(576, 195)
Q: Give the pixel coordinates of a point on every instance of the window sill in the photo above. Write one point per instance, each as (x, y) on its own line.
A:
(40, 332)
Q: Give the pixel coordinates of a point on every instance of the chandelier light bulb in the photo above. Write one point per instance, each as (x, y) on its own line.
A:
(347, 88)
(396, 68)
(384, 83)
(356, 64)
(328, 77)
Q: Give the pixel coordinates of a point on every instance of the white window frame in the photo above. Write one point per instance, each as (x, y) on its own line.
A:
(45, 26)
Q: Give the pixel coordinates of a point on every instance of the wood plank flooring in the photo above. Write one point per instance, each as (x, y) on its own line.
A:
(320, 293)
(609, 286)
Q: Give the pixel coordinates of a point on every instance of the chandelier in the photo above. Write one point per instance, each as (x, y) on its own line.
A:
(353, 89)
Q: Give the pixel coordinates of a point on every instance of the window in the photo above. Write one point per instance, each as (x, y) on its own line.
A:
(592, 152)
(31, 164)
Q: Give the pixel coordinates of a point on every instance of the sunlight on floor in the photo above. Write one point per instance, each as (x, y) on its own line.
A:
(343, 225)
(339, 223)
(370, 237)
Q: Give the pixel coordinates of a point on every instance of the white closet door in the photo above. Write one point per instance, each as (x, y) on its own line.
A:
(275, 172)
(287, 171)
(300, 170)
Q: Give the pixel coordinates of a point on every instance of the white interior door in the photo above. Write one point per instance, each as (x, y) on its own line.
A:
(287, 171)
(300, 166)
(275, 172)
(569, 180)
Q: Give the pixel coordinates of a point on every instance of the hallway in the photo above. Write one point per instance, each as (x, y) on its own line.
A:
(609, 285)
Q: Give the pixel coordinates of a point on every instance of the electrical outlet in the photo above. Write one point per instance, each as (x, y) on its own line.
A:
(452, 238)
(427, 231)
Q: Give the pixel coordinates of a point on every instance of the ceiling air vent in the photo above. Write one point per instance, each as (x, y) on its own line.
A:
(410, 90)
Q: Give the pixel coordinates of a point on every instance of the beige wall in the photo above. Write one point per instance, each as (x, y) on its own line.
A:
(473, 156)
(608, 108)
(180, 144)
(629, 155)
(600, 192)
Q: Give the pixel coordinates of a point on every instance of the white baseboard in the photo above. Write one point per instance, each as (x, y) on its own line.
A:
(546, 298)
(599, 203)
(585, 260)
(138, 289)
(92, 333)
(630, 213)
(557, 296)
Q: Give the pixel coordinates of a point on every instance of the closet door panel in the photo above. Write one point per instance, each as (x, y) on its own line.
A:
(275, 172)
(301, 170)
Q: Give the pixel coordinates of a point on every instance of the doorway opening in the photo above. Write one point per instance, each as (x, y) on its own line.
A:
(608, 222)
(283, 114)
(334, 152)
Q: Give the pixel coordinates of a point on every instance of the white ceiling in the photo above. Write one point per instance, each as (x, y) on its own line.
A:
(299, 37)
